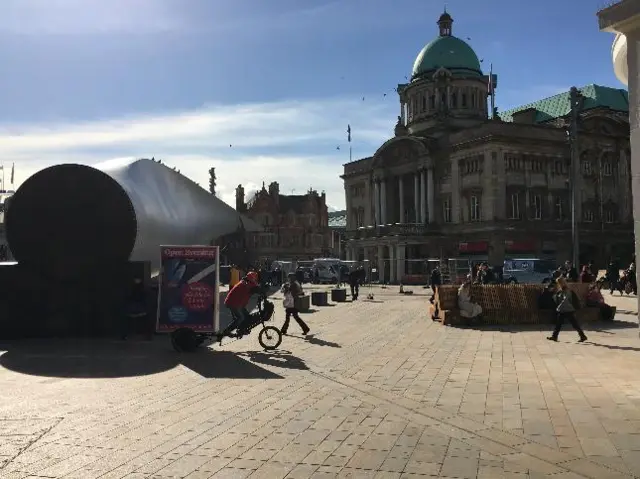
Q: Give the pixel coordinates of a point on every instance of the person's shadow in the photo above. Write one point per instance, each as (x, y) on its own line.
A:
(611, 346)
(310, 338)
(279, 359)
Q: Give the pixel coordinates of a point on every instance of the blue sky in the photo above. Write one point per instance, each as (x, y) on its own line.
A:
(278, 80)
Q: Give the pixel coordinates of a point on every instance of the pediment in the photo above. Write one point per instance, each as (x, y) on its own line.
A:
(605, 123)
(400, 150)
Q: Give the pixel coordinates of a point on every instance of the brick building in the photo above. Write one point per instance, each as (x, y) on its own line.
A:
(295, 227)
(460, 180)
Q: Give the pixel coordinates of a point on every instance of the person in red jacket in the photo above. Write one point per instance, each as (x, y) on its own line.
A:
(238, 297)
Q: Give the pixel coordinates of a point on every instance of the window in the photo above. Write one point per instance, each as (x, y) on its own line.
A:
(454, 100)
(557, 208)
(537, 207)
(515, 207)
(424, 103)
(607, 170)
(473, 100)
(443, 100)
(474, 206)
(464, 100)
(432, 102)
(588, 216)
(558, 167)
(360, 217)
(446, 211)
(586, 167)
(609, 216)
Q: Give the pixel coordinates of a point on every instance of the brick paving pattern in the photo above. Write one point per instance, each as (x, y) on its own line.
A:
(380, 391)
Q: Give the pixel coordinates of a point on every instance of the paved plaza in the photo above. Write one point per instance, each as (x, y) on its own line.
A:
(379, 391)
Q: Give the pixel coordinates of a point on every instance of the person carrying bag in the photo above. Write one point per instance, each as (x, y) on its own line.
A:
(291, 290)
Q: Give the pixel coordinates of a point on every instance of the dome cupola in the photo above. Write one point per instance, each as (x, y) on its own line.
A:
(447, 51)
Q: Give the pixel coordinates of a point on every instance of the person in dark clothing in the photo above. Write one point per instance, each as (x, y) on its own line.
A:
(435, 280)
(354, 283)
(567, 304)
(613, 277)
(485, 275)
(570, 272)
(291, 290)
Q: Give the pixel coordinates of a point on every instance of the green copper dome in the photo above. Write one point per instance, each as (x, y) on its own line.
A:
(447, 51)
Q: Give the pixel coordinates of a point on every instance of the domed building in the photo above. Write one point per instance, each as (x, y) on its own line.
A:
(460, 181)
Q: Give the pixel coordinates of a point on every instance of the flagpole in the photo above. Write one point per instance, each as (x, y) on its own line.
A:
(349, 140)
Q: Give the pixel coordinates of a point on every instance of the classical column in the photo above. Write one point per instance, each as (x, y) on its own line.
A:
(381, 263)
(423, 198)
(416, 197)
(400, 261)
(392, 262)
(401, 198)
(376, 202)
(432, 196)
(455, 191)
(383, 201)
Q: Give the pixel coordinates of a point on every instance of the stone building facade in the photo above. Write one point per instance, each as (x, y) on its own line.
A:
(294, 227)
(458, 180)
(623, 18)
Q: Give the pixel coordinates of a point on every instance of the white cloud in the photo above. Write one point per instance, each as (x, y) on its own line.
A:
(294, 143)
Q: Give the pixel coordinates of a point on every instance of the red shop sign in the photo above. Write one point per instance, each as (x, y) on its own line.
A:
(473, 247)
(520, 246)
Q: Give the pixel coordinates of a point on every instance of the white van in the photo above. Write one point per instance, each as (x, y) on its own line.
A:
(528, 270)
(326, 270)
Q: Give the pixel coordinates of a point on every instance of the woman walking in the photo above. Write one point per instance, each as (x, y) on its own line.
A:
(567, 304)
(291, 290)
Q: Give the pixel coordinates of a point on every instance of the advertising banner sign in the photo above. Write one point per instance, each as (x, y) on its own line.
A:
(189, 289)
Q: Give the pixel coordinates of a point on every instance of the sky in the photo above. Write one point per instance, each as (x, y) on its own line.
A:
(261, 90)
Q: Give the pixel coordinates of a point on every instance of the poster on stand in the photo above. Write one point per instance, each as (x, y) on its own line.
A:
(189, 289)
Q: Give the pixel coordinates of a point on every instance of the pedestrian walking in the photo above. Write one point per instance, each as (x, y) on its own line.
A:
(567, 304)
(291, 290)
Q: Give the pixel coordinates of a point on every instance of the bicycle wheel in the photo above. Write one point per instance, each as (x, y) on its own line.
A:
(270, 338)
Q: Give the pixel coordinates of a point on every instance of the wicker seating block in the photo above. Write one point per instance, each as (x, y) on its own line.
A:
(507, 304)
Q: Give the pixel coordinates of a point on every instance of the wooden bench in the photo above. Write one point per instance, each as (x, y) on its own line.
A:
(507, 304)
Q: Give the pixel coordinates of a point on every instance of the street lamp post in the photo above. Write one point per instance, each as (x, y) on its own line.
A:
(576, 100)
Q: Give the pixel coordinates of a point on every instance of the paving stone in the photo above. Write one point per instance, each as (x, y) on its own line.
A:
(444, 402)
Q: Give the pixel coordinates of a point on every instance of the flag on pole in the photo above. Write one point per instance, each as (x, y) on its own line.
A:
(349, 133)
(13, 167)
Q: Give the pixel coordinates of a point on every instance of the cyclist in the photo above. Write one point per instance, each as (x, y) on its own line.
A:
(237, 299)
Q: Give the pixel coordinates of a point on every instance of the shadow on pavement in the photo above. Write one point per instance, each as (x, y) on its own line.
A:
(279, 359)
(598, 326)
(611, 346)
(224, 364)
(321, 342)
(310, 338)
(120, 359)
